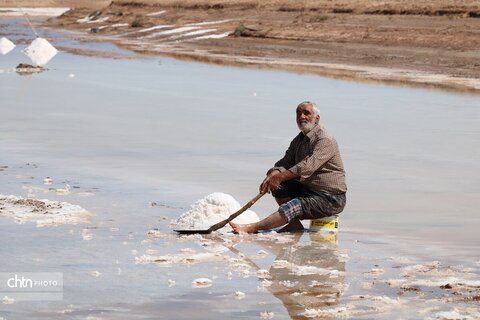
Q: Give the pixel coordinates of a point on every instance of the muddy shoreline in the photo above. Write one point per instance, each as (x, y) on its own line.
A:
(434, 45)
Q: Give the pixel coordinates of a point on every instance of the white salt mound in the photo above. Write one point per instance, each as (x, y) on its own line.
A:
(6, 45)
(212, 209)
(40, 51)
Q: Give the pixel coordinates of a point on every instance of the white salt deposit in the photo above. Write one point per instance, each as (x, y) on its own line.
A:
(306, 270)
(43, 212)
(375, 272)
(7, 300)
(172, 260)
(193, 33)
(40, 51)
(452, 315)
(266, 283)
(162, 26)
(262, 273)
(288, 283)
(6, 45)
(48, 12)
(207, 23)
(95, 273)
(239, 295)
(267, 315)
(262, 253)
(155, 13)
(212, 209)
(201, 283)
(119, 25)
(87, 235)
(98, 20)
(172, 31)
(214, 36)
(278, 264)
(324, 313)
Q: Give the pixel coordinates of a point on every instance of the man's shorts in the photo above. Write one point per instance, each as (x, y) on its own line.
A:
(308, 204)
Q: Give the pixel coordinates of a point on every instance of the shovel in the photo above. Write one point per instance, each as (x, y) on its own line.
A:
(222, 223)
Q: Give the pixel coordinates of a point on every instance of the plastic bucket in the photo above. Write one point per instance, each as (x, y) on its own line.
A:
(327, 224)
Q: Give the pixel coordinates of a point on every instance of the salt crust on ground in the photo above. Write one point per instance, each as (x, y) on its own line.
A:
(43, 212)
(212, 209)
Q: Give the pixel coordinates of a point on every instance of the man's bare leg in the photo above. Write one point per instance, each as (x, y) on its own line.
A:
(274, 220)
(295, 224)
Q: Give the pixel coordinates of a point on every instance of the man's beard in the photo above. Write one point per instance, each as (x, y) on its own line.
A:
(306, 127)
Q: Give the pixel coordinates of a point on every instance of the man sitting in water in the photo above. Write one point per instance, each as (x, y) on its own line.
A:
(308, 182)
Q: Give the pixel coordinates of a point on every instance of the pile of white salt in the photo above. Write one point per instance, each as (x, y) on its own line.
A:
(40, 51)
(212, 209)
(6, 45)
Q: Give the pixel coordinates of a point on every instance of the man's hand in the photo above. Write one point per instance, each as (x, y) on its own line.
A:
(271, 182)
(275, 178)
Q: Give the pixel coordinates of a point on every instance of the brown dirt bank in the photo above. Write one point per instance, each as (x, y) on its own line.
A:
(434, 42)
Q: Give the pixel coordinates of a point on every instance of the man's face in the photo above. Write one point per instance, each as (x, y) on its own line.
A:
(306, 119)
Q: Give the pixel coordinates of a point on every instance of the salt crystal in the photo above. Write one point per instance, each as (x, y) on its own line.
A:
(267, 315)
(6, 45)
(40, 51)
(95, 273)
(288, 283)
(451, 315)
(262, 273)
(202, 283)
(7, 300)
(87, 235)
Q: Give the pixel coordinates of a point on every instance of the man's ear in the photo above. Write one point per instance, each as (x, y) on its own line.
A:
(317, 119)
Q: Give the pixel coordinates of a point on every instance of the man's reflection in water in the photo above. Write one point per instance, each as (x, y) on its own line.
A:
(307, 274)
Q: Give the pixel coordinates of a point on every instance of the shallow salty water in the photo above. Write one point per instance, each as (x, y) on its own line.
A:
(124, 133)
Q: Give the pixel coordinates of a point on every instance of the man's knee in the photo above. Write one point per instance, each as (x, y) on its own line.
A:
(288, 189)
(281, 201)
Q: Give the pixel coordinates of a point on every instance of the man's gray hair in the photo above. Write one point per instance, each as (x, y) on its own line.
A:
(315, 109)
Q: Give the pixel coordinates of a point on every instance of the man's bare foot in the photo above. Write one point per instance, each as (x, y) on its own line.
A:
(243, 228)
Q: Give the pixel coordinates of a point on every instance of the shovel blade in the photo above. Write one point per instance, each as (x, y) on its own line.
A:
(193, 231)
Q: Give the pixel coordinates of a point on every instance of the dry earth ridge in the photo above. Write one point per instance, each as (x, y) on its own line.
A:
(429, 43)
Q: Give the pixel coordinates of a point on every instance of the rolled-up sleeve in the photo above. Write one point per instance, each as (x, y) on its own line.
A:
(323, 151)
